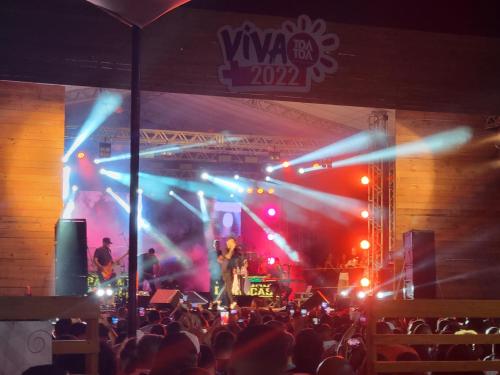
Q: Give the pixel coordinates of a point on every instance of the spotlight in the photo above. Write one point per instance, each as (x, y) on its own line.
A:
(109, 292)
(268, 178)
(260, 191)
(241, 190)
(140, 191)
(80, 155)
(271, 212)
(96, 161)
(201, 193)
(344, 293)
(380, 295)
(365, 214)
(204, 176)
(271, 260)
(231, 195)
(365, 180)
(365, 245)
(250, 190)
(74, 188)
(108, 190)
(100, 292)
(269, 169)
(286, 164)
(270, 236)
(316, 165)
(301, 170)
(361, 294)
(171, 192)
(271, 191)
(236, 176)
(102, 171)
(365, 282)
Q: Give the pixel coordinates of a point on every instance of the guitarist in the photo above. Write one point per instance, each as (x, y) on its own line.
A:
(103, 260)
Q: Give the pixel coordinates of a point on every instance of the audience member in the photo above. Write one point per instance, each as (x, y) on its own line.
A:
(259, 349)
(308, 351)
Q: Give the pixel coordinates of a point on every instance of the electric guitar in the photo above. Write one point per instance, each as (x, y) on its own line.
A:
(107, 271)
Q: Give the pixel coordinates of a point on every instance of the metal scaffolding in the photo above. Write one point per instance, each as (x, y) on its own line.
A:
(381, 223)
(213, 147)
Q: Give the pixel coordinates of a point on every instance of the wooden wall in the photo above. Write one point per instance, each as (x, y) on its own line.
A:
(31, 147)
(457, 195)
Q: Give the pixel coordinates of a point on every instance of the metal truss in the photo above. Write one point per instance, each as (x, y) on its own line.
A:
(213, 147)
(380, 203)
(284, 111)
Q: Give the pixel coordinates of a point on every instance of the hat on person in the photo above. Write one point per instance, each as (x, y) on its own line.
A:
(107, 240)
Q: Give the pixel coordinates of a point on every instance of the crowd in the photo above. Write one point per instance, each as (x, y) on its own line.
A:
(252, 341)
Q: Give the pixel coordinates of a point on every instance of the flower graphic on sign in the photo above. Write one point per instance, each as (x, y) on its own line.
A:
(287, 59)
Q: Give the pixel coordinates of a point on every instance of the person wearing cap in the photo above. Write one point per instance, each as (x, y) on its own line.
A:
(103, 260)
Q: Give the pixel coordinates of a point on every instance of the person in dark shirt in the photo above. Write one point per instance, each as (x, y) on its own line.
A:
(103, 260)
(149, 268)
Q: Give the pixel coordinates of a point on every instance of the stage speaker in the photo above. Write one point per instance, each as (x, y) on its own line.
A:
(71, 257)
(195, 298)
(166, 298)
(419, 264)
(315, 300)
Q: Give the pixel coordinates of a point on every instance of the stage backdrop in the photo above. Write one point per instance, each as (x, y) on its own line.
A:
(31, 147)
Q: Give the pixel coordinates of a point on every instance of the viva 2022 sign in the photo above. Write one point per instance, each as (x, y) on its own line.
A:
(285, 59)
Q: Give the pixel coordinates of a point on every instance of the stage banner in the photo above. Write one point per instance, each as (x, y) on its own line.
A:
(287, 59)
(24, 345)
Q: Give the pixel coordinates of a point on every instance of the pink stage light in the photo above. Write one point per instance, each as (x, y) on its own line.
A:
(271, 212)
(271, 260)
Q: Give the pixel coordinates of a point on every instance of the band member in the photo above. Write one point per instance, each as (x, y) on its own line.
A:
(103, 260)
(149, 269)
(228, 259)
(281, 292)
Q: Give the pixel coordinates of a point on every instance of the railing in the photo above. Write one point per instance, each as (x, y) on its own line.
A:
(437, 308)
(46, 308)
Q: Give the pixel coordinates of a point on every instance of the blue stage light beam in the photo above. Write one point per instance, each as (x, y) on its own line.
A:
(434, 144)
(152, 231)
(203, 207)
(225, 183)
(186, 204)
(70, 205)
(276, 237)
(355, 143)
(317, 200)
(66, 182)
(106, 103)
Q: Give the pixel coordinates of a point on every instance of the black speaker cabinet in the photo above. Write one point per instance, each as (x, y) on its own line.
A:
(71, 257)
(419, 264)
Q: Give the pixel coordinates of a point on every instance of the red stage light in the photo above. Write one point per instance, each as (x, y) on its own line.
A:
(365, 214)
(365, 180)
(286, 164)
(271, 212)
(260, 191)
(271, 260)
(365, 282)
(365, 245)
(80, 155)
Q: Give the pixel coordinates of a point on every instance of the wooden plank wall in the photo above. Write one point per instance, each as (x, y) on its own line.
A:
(456, 195)
(31, 147)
